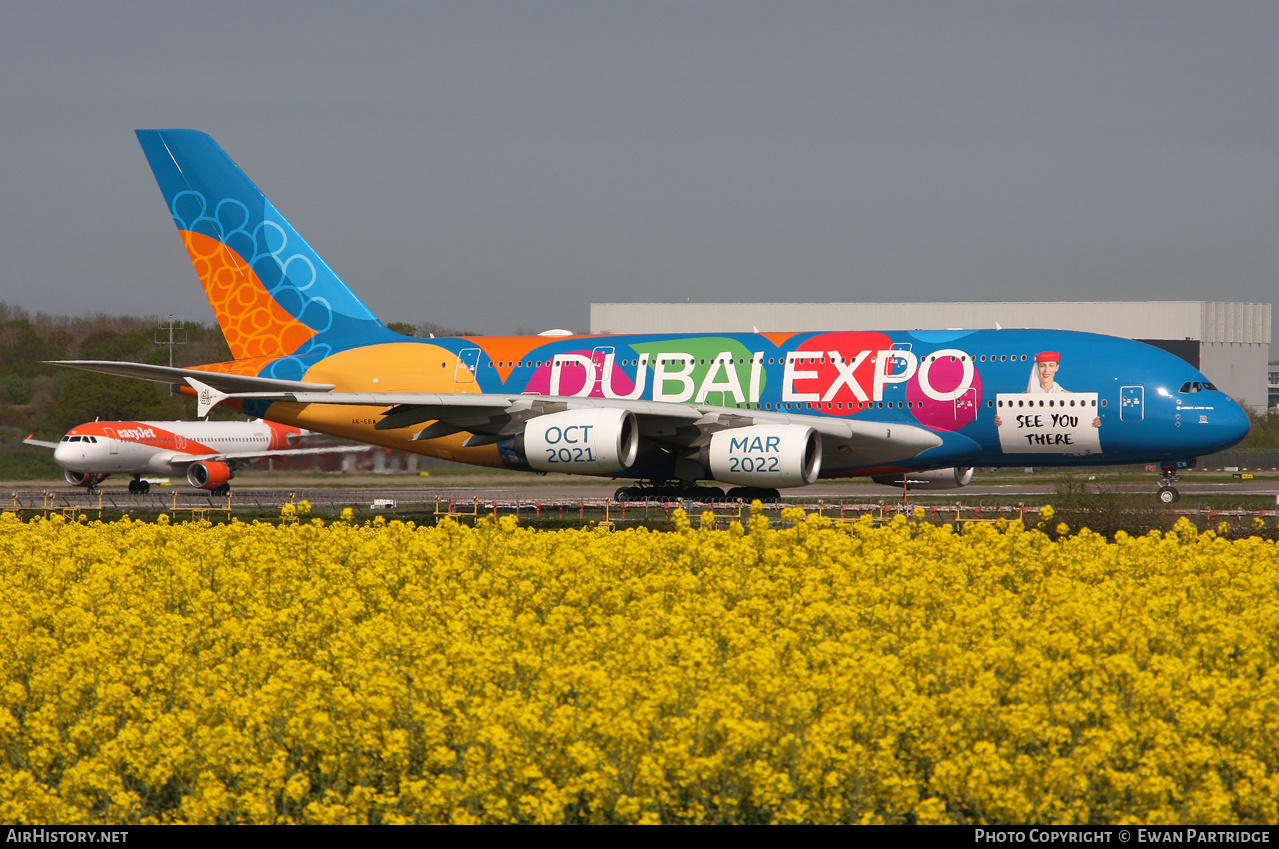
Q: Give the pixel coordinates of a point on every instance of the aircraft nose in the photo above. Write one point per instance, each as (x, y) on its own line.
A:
(1235, 424)
(62, 454)
(1227, 425)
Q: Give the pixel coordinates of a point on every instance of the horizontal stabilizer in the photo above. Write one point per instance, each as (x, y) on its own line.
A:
(178, 376)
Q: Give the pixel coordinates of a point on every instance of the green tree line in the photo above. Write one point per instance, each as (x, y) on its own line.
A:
(40, 399)
(47, 400)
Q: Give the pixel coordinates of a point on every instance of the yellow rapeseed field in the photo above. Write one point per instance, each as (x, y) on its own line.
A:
(387, 673)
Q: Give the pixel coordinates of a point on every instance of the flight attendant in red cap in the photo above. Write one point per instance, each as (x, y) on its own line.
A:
(1043, 378)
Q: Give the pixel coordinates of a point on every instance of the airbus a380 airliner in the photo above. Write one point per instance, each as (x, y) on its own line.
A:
(761, 411)
(207, 453)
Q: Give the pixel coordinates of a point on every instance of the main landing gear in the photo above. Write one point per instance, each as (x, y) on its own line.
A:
(668, 491)
(1167, 492)
(684, 491)
(138, 486)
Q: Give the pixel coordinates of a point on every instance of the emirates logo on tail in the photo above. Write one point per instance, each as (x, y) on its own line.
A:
(206, 396)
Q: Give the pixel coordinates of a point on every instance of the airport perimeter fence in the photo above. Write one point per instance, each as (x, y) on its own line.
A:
(298, 505)
(389, 502)
(1240, 461)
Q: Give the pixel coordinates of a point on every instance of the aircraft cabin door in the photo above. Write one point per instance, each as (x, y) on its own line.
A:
(602, 359)
(895, 365)
(1132, 407)
(966, 407)
(113, 443)
(468, 363)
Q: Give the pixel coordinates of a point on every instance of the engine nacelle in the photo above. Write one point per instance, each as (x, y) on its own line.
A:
(84, 478)
(282, 437)
(951, 478)
(209, 475)
(765, 455)
(582, 442)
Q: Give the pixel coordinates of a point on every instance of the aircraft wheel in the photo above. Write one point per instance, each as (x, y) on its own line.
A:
(144, 486)
(1168, 495)
(133, 486)
(623, 493)
(225, 489)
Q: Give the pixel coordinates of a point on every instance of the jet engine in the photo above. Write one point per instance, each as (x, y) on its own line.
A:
(89, 479)
(209, 475)
(952, 478)
(282, 437)
(765, 455)
(584, 442)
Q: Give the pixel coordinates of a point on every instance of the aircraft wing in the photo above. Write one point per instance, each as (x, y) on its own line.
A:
(244, 457)
(492, 418)
(40, 442)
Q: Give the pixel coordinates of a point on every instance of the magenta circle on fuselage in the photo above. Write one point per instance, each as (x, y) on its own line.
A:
(945, 375)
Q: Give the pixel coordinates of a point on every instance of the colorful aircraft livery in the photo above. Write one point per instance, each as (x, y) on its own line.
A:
(206, 453)
(759, 410)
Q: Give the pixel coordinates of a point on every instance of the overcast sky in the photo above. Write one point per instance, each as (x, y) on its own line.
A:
(495, 166)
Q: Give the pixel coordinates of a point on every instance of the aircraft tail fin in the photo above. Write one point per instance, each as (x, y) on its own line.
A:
(272, 294)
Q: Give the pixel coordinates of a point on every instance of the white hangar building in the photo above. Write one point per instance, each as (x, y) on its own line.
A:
(1229, 342)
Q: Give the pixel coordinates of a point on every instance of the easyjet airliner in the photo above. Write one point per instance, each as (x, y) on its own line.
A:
(207, 453)
(760, 411)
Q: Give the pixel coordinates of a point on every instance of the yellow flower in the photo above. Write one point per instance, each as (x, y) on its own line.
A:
(304, 673)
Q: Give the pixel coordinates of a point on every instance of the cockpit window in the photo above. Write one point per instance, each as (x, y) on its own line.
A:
(1195, 386)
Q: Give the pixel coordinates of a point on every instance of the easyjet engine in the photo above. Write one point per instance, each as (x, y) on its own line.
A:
(282, 437)
(209, 475)
(952, 478)
(89, 479)
(765, 455)
(583, 442)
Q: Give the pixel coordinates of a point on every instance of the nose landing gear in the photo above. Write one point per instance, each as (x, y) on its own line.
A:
(1167, 492)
